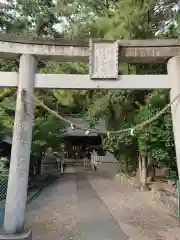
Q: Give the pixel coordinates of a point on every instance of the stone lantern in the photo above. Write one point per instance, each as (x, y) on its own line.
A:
(49, 163)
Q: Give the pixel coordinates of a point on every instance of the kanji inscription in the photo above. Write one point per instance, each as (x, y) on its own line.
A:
(103, 60)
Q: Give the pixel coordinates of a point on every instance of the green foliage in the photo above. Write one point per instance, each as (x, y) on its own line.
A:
(112, 19)
(6, 121)
(47, 131)
(4, 164)
(157, 138)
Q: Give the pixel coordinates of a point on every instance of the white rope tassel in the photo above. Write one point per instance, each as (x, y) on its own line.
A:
(87, 132)
(72, 126)
(132, 132)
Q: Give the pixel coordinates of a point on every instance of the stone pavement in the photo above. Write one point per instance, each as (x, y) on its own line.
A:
(96, 221)
(87, 206)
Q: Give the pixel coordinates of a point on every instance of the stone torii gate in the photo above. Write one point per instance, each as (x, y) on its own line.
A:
(103, 57)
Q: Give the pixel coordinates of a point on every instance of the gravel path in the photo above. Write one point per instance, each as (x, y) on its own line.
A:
(87, 207)
(135, 212)
(54, 214)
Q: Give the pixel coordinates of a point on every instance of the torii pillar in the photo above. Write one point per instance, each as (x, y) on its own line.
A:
(173, 67)
(15, 209)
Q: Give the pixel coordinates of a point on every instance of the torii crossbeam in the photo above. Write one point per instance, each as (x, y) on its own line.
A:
(104, 58)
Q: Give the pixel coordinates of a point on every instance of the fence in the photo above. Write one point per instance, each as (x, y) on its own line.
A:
(3, 192)
(107, 165)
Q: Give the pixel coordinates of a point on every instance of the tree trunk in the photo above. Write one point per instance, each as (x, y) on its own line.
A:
(134, 165)
(151, 169)
(140, 167)
(38, 167)
(143, 171)
(125, 165)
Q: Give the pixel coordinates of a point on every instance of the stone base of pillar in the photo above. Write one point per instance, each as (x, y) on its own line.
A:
(27, 235)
